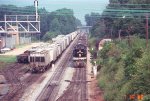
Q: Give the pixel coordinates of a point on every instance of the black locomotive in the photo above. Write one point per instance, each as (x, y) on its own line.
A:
(79, 51)
(79, 55)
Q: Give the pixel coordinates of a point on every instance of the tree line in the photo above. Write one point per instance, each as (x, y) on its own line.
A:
(61, 21)
(123, 64)
(127, 17)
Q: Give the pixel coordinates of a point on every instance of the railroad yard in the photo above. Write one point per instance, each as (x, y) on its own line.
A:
(74, 50)
(61, 82)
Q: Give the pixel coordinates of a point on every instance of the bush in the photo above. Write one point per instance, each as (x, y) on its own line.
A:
(49, 35)
(125, 70)
(146, 98)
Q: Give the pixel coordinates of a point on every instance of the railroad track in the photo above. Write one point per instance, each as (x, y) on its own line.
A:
(77, 89)
(13, 81)
(49, 93)
(16, 85)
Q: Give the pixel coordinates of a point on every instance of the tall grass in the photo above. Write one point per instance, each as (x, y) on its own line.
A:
(7, 59)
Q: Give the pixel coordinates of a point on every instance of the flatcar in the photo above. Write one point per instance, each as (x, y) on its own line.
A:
(79, 55)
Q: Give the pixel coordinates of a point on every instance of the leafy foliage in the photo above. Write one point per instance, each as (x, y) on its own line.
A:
(126, 16)
(125, 70)
(124, 65)
(91, 19)
(49, 36)
(61, 21)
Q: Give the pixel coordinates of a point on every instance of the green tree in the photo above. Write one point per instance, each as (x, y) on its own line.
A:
(92, 19)
(55, 25)
(49, 36)
(61, 21)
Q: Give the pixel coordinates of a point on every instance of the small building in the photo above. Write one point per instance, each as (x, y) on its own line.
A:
(2, 42)
(102, 42)
(13, 38)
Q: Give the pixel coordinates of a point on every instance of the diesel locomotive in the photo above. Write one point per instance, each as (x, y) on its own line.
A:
(80, 53)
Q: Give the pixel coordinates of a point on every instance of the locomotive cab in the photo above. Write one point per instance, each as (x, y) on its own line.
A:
(79, 55)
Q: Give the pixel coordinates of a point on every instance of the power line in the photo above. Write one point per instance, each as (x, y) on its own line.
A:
(129, 4)
(92, 16)
(108, 9)
(126, 10)
(25, 11)
(110, 14)
(116, 17)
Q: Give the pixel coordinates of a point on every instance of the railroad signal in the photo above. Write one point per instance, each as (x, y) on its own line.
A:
(138, 97)
(36, 9)
(132, 97)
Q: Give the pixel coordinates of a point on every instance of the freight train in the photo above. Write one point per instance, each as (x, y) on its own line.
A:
(80, 52)
(43, 56)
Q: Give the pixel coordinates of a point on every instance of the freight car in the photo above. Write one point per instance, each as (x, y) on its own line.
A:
(23, 58)
(46, 54)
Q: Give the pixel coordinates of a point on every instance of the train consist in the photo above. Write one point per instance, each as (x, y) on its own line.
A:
(80, 52)
(43, 56)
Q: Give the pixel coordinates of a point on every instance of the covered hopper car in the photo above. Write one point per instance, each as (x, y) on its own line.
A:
(47, 54)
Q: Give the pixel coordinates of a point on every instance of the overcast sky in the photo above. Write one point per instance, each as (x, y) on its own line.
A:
(80, 7)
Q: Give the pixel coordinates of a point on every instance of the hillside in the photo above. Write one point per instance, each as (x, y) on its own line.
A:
(123, 64)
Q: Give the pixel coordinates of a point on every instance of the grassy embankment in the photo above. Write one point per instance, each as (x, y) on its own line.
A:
(124, 69)
(5, 60)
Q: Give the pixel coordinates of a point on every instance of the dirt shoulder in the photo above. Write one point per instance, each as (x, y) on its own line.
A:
(20, 50)
(94, 92)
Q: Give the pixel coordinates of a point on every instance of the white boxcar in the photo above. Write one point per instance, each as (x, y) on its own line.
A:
(53, 52)
(60, 45)
(66, 41)
(69, 38)
(45, 54)
(59, 49)
(62, 40)
(73, 35)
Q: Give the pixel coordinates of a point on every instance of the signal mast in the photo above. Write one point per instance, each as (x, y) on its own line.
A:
(36, 8)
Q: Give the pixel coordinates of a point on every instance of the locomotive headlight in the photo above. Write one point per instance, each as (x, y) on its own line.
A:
(79, 55)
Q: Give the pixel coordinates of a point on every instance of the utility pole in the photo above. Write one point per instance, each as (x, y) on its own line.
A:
(119, 36)
(36, 8)
(129, 43)
(147, 31)
(111, 32)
